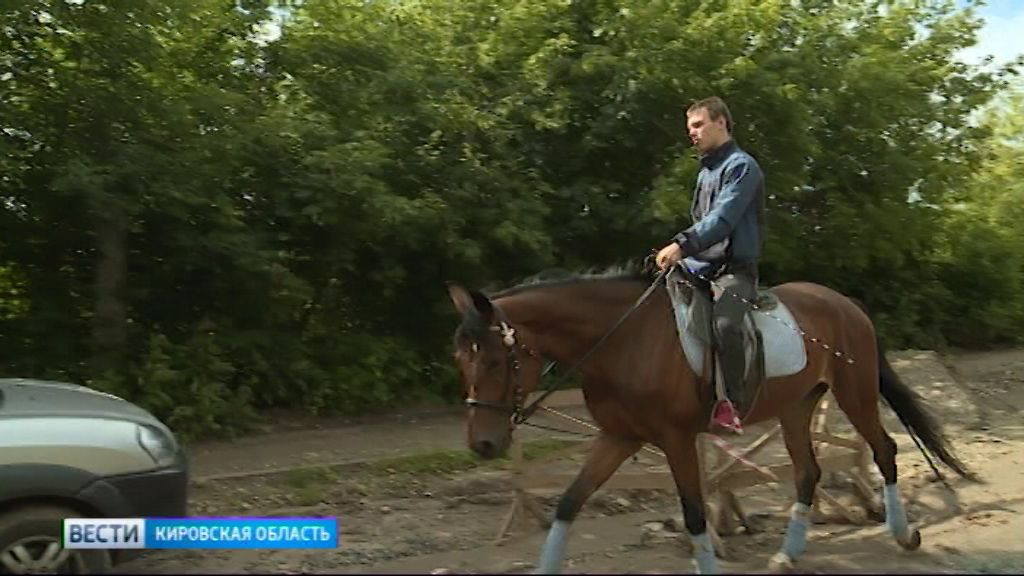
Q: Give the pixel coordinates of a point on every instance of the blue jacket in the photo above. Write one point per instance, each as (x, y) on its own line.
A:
(727, 212)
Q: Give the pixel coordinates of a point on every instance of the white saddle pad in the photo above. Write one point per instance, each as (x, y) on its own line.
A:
(784, 351)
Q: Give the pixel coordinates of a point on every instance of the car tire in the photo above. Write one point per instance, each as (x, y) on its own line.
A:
(27, 535)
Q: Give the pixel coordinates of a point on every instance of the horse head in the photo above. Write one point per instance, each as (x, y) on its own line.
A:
(497, 369)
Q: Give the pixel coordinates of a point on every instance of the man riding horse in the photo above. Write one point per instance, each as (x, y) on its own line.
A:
(725, 242)
(638, 395)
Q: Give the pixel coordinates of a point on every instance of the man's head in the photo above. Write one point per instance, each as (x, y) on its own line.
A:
(709, 123)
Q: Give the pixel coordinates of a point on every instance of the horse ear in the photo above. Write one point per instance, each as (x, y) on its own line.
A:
(461, 298)
(470, 301)
(483, 305)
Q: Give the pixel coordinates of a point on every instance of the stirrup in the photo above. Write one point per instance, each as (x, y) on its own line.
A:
(724, 417)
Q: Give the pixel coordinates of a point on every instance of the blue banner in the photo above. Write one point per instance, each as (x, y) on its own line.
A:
(236, 533)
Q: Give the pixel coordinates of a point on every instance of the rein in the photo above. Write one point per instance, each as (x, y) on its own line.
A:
(519, 414)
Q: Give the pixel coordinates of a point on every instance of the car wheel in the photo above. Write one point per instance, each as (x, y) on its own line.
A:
(30, 540)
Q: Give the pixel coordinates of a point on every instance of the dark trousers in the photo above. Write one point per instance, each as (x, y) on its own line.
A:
(738, 286)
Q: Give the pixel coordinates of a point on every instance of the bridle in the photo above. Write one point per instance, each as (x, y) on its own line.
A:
(513, 347)
(517, 413)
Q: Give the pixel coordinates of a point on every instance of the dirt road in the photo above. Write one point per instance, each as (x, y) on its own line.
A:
(409, 520)
(320, 444)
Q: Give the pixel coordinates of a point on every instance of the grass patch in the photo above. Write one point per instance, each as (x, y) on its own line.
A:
(540, 448)
(310, 486)
(432, 462)
(459, 460)
(305, 477)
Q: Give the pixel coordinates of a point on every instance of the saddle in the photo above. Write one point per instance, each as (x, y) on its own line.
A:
(772, 343)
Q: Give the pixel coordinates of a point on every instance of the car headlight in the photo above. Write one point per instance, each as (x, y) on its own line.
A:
(157, 444)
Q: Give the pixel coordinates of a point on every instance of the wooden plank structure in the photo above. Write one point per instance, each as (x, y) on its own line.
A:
(726, 469)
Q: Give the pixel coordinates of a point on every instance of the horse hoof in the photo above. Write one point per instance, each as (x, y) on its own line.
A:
(913, 542)
(781, 563)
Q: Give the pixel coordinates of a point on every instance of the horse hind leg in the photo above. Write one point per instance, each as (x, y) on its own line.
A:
(606, 455)
(796, 431)
(861, 407)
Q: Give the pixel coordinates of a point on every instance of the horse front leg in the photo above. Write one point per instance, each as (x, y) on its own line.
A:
(606, 455)
(685, 465)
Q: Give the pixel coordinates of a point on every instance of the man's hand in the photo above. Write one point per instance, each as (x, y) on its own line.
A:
(668, 256)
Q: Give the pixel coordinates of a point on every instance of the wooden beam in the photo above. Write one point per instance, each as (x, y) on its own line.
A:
(753, 449)
(619, 481)
(837, 440)
(657, 481)
(853, 518)
(749, 477)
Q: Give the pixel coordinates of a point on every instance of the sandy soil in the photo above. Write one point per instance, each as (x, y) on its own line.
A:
(402, 521)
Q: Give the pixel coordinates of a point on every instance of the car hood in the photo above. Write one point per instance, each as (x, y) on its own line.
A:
(24, 398)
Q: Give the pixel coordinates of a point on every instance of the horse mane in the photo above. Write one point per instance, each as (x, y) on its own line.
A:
(475, 329)
(630, 271)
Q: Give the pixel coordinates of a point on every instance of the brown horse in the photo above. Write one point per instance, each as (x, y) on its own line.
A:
(639, 388)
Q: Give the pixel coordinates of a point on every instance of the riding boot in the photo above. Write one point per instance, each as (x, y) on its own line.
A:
(734, 368)
(738, 287)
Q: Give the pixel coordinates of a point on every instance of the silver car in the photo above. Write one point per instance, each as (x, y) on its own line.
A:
(68, 451)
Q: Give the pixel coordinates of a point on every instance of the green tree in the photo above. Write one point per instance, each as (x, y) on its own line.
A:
(210, 221)
(980, 255)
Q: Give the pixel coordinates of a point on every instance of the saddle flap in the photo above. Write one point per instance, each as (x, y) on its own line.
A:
(693, 309)
(773, 343)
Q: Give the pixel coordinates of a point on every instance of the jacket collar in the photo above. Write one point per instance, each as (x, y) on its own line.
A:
(714, 157)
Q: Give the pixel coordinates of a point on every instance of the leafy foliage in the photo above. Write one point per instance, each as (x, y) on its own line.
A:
(210, 221)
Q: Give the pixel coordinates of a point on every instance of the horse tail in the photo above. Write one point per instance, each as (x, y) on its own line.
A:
(911, 410)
